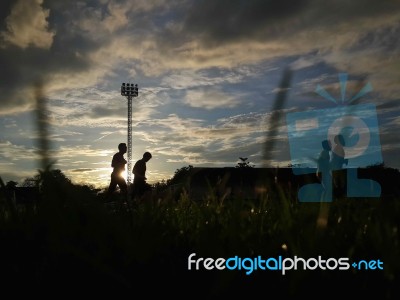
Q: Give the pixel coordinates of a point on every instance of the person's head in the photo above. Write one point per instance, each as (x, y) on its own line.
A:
(326, 145)
(122, 147)
(147, 156)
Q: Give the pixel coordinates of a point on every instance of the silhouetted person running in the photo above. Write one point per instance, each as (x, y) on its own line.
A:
(118, 163)
(337, 163)
(324, 171)
(140, 186)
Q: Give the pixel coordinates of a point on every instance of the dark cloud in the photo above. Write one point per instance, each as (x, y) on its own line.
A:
(5, 9)
(226, 21)
(102, 112)
(193, 149)
(82, 170)
(385, 38)
(22, 67)
(207, 21)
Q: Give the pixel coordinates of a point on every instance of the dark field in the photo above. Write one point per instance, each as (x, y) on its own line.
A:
(70, 239)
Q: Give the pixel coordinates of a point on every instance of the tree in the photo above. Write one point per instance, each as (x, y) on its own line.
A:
(180, 175)
(11, 184)
(244, 163)
(31, 181)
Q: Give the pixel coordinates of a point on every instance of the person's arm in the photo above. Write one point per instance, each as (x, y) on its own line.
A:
(118, 162)
(135, 170)
(113, 162)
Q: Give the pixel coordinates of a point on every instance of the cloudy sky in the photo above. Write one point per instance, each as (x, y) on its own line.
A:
(208, 74)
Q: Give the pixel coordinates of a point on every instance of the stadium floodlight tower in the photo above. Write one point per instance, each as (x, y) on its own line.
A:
(129, 90)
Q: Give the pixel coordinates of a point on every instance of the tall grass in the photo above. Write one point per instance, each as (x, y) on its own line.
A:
(72, 239)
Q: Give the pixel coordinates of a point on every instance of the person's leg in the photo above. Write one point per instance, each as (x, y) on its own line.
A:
(327, 185)
(138, 189)
(112, 186)
(120, 181)
(123, 186)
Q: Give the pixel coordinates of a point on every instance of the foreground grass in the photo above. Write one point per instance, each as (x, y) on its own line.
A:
(72, 240)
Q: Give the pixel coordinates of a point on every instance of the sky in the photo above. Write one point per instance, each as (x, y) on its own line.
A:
(208, 74)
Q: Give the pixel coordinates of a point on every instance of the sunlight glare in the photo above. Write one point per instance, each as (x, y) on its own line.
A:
(124, 175)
